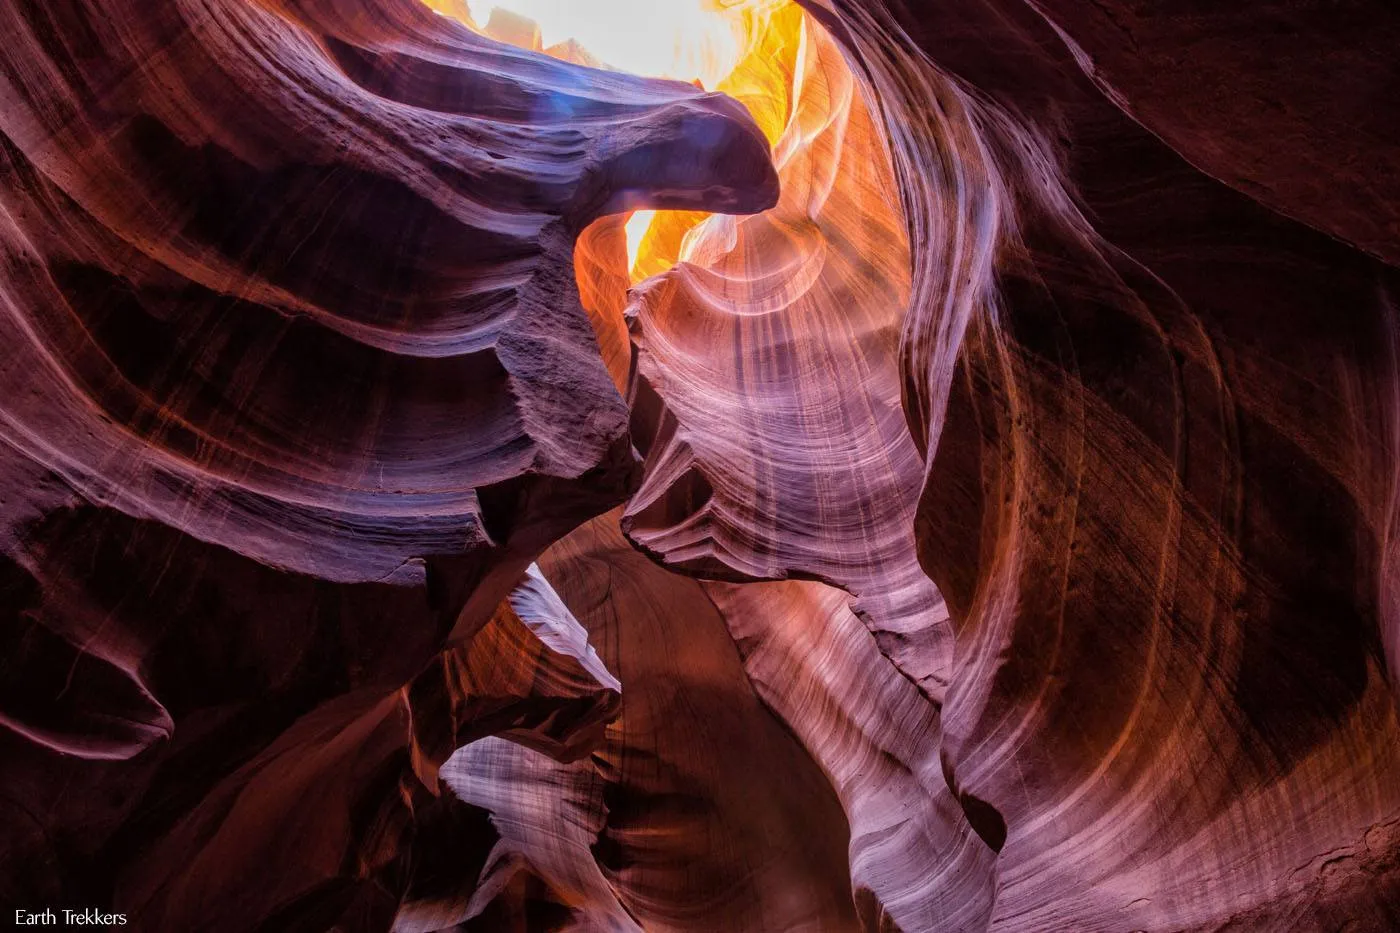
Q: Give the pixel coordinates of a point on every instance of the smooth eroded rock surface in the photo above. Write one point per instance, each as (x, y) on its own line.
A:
(967, 503)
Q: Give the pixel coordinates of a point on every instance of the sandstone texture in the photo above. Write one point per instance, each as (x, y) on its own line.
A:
(945, 477)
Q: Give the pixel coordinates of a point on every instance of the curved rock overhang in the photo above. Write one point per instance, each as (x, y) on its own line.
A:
(942, 478)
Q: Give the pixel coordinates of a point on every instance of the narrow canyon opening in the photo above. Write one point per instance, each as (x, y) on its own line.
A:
(836, 241)
(857, 466)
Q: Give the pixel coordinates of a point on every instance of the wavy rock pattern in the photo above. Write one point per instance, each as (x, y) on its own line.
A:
(715, 818)
(1153, 503)
(297, 385)
(991, 529)
(915, 862)
(759, 464)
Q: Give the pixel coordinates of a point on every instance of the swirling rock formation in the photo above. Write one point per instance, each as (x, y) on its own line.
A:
(1153, 410)
(967, 504)
(297, 386)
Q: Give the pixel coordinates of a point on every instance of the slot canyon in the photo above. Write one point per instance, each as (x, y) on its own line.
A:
(700, 466)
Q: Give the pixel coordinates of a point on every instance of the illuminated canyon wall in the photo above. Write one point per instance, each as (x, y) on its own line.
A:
(934, 471)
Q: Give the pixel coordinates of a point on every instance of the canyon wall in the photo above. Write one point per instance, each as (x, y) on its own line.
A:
(970, 506)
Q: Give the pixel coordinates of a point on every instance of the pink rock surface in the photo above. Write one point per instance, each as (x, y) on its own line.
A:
(970, 507)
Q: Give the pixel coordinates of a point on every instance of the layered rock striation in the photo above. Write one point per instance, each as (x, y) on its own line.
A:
(967, 504)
